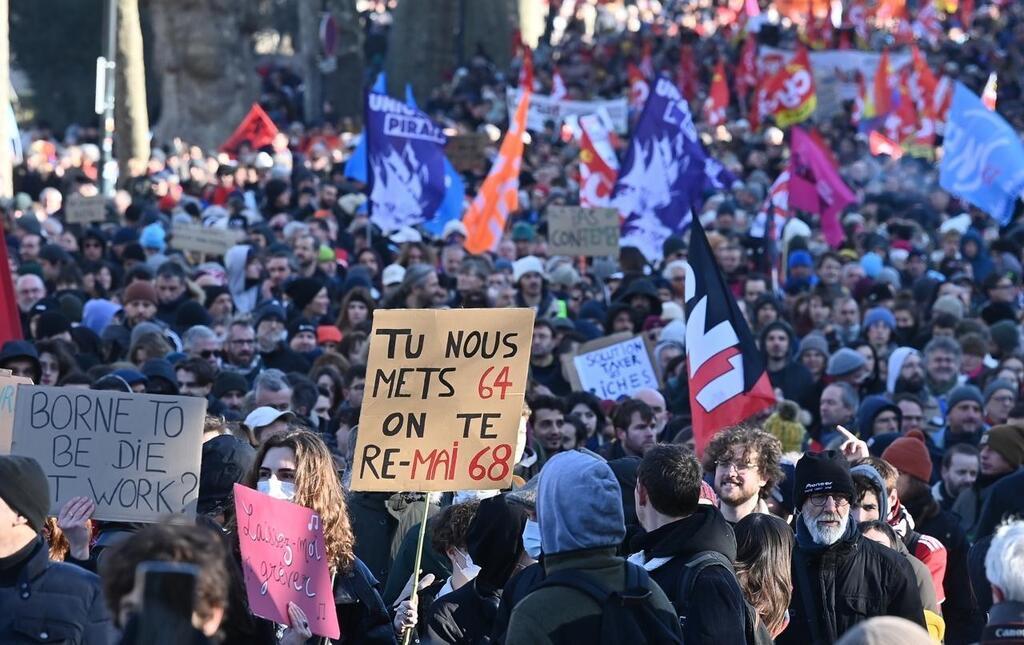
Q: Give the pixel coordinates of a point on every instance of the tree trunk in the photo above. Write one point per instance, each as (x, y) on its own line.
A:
(421, 45)
(131, 118)
(487, 28)
(308, 53)
(6, 178)
(203, 54)
(344, 86)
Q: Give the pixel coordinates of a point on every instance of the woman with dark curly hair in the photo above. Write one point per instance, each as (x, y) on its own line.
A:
(296, 466)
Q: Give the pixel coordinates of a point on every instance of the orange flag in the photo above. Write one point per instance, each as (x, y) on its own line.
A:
(257, 128)
(883, 85)
(499, 194)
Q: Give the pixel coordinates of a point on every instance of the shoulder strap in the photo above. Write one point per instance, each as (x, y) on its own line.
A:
(576, 579)
(688, 580)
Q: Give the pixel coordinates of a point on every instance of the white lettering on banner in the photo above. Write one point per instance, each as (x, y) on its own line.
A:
(702, 346)
(543, 108)
(412, 127)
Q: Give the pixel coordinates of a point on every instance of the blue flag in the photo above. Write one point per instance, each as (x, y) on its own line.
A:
(355, 167)
(665, 173)
(983, 158)
(405, 150)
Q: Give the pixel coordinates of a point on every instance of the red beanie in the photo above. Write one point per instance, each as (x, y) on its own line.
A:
(909, 455)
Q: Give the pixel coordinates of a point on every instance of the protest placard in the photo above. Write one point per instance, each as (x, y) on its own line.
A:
(203, 239)
(611, 367)
(574, 230)
(467, 151)
(443, 399)
(543, 108)
(284, 560)
(82, 210)
(136, 455)
(8, 394)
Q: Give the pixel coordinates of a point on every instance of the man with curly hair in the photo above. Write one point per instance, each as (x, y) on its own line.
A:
(745, 463)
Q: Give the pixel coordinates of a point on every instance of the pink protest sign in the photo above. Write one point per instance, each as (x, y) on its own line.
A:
(284, 560)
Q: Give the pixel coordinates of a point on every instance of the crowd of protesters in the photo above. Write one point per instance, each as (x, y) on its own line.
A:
(872, 504)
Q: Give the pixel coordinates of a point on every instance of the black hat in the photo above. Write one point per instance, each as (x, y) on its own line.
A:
(822, 472)
(270, 310)
(303, 290)
(24, 488)
(190, 314)
(161, 368)
(13, 349)
(54, 254)
(225, 462)
(300, 325)
(213, 292)
(52, 323)
(229, 382)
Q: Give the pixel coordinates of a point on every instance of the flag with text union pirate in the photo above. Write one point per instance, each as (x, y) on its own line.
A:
(405, 159)
(728, 382)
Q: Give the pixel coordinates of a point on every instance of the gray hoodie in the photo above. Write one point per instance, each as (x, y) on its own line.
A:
(235, 261)
(579, 504)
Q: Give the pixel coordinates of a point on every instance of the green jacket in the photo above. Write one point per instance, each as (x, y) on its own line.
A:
(564, 615)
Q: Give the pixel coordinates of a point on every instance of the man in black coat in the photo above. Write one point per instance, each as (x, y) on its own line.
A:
(40, 600)
(678, 531)
(839, 578)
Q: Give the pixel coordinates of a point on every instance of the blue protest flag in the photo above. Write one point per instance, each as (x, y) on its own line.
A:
(355, 166)
(410, 98)
(983, 158)
(405, 152)
(665, 173)
(455, 188)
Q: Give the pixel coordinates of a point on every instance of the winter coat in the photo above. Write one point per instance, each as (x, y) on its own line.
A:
(44, 601)
(1004, 500)
(563, 615)
(466, 615)
(838, 586)
(960, 610)
(374, 528)
(361, 612)
(715, 612)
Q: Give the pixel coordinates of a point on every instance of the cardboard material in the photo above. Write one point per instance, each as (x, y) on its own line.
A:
(8, 396)
(284, 560)
(443, 399)
(574, 230)
(201, 239)
(79, 209)
(136, 455)
(612, 367)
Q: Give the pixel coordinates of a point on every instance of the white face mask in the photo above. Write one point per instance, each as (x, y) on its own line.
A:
(463, 566)
(277, 488)
(531, 539)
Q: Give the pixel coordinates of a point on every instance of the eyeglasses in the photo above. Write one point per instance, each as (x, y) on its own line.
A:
(818, 500)
(726, 464)
(211, 353)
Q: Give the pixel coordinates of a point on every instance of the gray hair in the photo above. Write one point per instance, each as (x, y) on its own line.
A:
(272, 380)
(197, 334)
(415, 275)
(850, 397)
(1004, 562)
(943, 344)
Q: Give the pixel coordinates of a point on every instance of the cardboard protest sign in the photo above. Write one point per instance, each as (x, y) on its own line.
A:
(611, 367)
(82, 210)
(467, 151)
(202, 239)
(443, 399)
(574, 230)
(136, 455)
(8, 394)
(284, 560)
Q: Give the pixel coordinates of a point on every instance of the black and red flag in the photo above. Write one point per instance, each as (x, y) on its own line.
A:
(728, 382)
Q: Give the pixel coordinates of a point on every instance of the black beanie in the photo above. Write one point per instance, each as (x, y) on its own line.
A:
(822, 472)
(303, 290)
(51, 323)
(24, 488)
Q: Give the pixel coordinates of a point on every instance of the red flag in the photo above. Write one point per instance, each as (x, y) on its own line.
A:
(718, 98)
(10, 321)
(815, 185)
(257, 128)
(526, 70)
(686, 79)
(883, 85)
(639, 88)
(883, 145)
(728, 382)
(966, 13)
(598, 165)
(790, 95)
(646, 62)
(746, 70)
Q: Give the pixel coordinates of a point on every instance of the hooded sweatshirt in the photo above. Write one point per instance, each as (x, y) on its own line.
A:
(794, 379)
(245, 296)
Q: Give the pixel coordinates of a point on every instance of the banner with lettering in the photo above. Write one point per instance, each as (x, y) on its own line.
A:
(136, 456)
(544, 108)
(443, 399)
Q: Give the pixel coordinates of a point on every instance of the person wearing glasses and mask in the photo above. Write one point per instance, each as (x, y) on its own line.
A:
(831, 560)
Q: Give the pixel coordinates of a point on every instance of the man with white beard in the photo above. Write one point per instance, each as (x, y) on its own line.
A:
(840, 578)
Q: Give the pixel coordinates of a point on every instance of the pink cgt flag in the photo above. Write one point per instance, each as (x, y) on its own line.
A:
(815, 185)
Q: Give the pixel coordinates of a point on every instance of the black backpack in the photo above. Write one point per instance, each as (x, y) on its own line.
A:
(756, 632)
(627, 616)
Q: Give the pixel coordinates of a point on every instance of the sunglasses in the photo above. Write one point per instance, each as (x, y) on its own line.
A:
(209, 353)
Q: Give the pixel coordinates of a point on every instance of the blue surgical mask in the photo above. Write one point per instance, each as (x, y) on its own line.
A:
(531, 539)
(277, 488)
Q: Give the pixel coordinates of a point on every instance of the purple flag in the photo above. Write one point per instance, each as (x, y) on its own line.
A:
(665, 173)
(405, 155)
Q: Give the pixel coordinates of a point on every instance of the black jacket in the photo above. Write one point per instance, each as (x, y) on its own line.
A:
(836, 587)
(1004, 500)
(715, 612)
(44, 601)
(361, 612)
(374, 527)
(466, 615)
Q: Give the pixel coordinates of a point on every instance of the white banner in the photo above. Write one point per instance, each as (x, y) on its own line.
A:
(543, 108)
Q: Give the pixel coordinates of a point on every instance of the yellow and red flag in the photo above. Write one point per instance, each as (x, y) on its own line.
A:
(499, 194)
(789, 96)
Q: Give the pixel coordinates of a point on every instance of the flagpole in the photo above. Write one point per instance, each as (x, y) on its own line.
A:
(369, 173)
(417, 561)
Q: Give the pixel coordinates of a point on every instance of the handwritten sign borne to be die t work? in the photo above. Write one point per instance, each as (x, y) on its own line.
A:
(284, 560)
(136, 455)
(443, 399)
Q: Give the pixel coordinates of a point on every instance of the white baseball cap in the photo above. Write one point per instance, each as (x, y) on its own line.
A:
(393, 274)
(264, 416)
